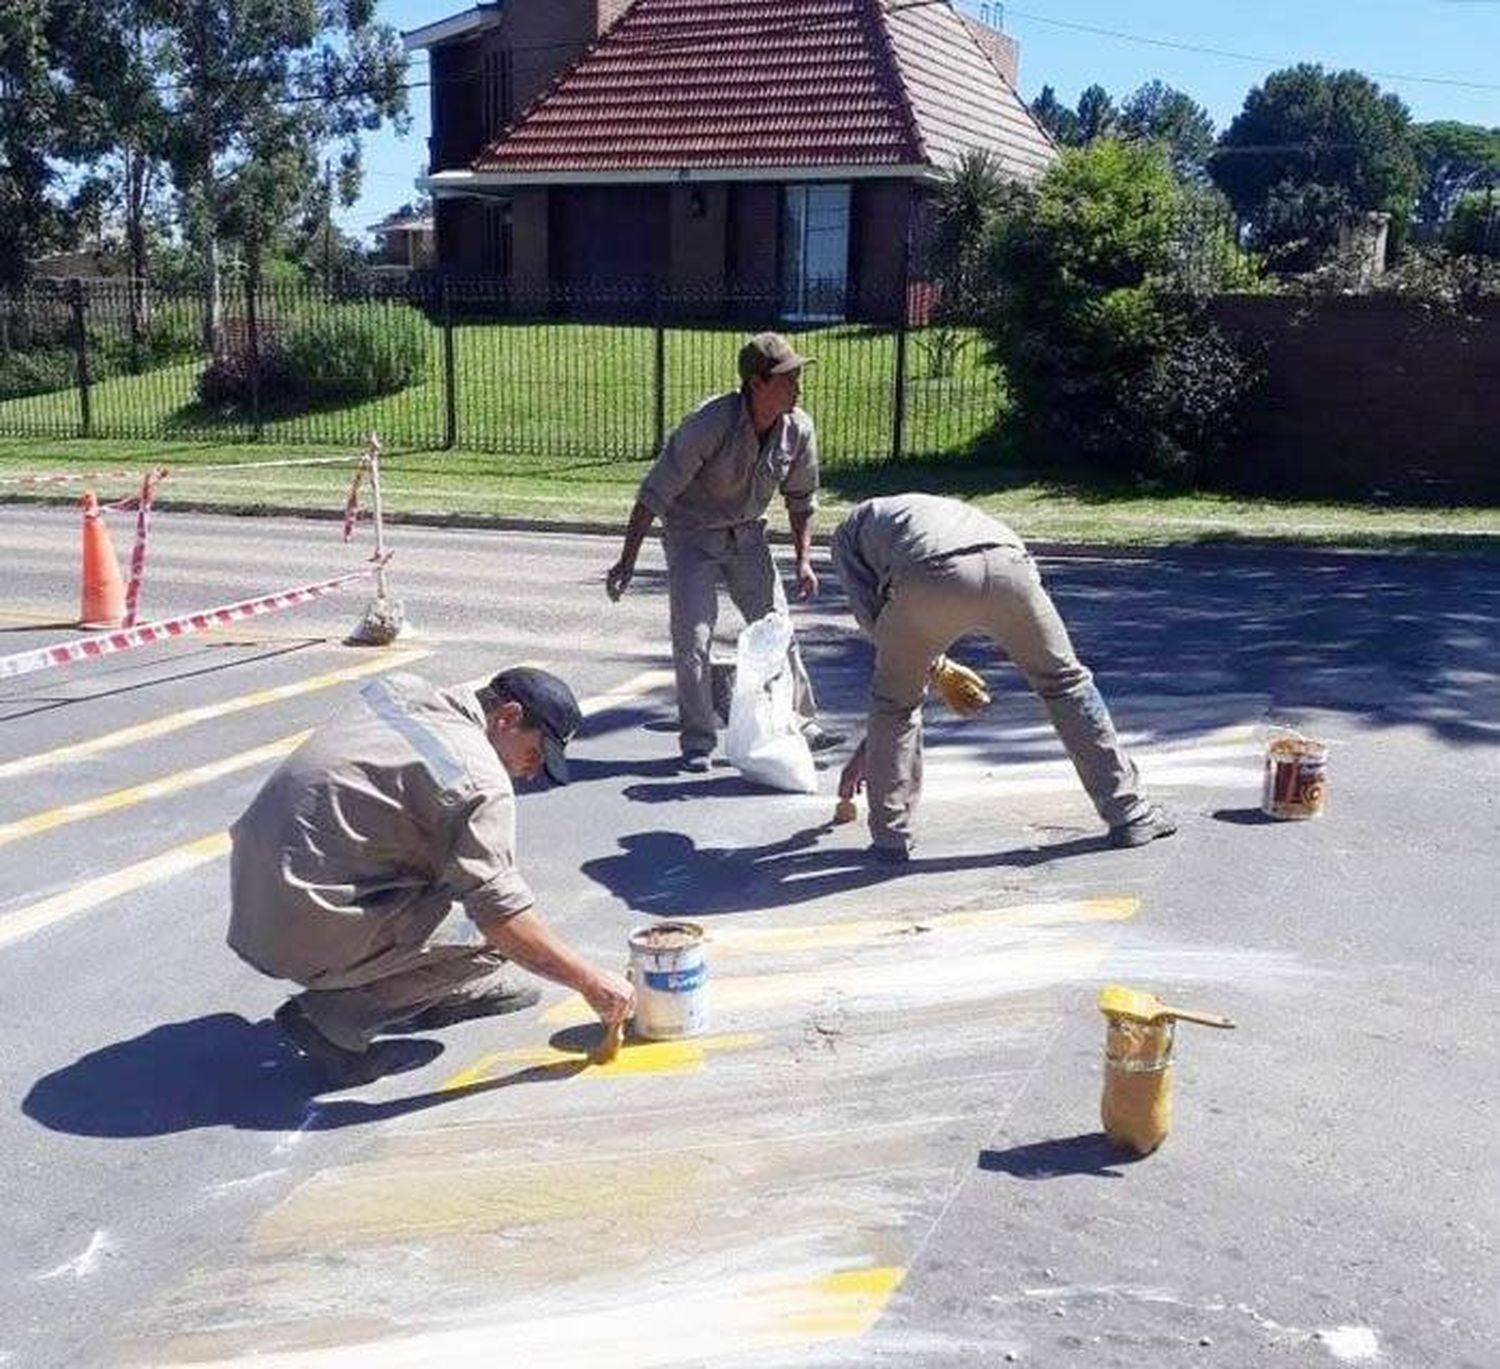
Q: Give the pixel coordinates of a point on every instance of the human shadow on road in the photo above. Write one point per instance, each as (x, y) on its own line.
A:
(1092, 1154)
(224, 1071)
(668, 874)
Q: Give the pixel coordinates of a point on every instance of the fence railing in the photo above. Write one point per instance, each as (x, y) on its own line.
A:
(591, 375)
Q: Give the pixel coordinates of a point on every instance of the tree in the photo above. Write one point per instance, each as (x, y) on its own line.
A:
(1059, 120)
(1097, 115)
(1097, 317)
(1308, 150)
(260, 88)
(1454, 159)
(109, 52)
(1159, 113)
(29, 110)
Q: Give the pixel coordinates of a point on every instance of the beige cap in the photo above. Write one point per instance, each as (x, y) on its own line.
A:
(769, 354)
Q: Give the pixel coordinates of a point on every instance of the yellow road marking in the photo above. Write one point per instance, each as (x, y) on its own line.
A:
(635, 1057)
(25, 921)
(869, 932)
(653, 1323)
(160, 727)
(843, 1305)
(152, 789)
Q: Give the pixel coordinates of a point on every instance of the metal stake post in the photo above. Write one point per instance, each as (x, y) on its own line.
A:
(385, 619)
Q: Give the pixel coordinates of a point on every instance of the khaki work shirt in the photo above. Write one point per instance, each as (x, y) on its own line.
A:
(881, 538)
(715, 473)
(371, 830)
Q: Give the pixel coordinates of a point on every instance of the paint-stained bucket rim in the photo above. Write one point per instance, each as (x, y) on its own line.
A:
(639, 939)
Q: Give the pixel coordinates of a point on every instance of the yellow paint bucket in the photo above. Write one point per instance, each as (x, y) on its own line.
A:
(1136, 1107)
(1296, 777)
(670, 972)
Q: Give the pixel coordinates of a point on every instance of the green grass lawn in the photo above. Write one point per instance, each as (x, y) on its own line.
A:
(575, 390)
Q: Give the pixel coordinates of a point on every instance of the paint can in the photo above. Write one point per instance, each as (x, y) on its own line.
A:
(670, 972)
(1296, 777)
(1136, 1107)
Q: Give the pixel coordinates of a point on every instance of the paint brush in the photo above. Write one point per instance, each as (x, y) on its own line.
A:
(1141, 1006)
(609, 1043)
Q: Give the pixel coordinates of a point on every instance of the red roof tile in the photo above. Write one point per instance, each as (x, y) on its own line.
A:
(718, 84)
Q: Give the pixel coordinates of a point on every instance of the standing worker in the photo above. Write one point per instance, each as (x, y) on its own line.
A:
(710, 486)
(920, 572)
(377, 867)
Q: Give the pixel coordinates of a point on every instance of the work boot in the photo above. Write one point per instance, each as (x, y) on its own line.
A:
(340, 1067)
(1150, 826)
(696, 762)
(446, 1012)
(819, 738)
(890, 855)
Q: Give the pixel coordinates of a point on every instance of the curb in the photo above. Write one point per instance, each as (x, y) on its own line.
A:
(1223, 541)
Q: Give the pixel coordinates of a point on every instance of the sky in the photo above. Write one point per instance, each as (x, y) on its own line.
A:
(1442, 57)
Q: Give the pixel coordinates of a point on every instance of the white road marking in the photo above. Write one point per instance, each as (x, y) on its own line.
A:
(81, 1266)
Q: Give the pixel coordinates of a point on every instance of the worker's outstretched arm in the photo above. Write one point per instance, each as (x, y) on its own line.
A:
(618, 578)
(533, 945)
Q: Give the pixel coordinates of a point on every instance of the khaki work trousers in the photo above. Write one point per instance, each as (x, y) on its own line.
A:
(998, 593)
(436, 956)
(740, 559)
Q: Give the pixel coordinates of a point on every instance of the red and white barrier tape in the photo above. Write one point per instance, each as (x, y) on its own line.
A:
(351, 504)
(149, 483)
(67, 477)
(107, 643)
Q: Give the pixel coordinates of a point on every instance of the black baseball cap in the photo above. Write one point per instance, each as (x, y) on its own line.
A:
(550, 707)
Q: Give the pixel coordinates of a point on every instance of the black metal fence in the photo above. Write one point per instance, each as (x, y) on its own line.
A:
(457, 363)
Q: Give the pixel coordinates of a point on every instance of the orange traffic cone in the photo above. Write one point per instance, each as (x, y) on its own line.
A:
(103, 589)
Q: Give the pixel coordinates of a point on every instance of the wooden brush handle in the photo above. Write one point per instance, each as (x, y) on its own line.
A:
(1207, 1019)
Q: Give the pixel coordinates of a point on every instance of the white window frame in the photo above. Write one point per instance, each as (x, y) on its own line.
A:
(794, 216)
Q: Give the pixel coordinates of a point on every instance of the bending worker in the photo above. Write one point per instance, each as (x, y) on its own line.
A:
(920, 572)
(710, 486)
(377, 867)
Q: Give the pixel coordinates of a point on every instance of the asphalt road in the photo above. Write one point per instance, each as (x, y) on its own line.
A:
(887, 1149)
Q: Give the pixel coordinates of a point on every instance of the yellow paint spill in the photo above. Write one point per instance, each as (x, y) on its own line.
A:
(845, 1304)
(638, 1057)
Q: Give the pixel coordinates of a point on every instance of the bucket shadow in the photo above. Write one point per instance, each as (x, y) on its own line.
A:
(1091, 1154)
(1245, 817)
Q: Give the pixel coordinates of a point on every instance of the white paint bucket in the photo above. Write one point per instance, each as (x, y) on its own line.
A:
(670, 973)
(1296, 778)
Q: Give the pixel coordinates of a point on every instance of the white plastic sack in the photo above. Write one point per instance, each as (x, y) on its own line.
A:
(763, 741)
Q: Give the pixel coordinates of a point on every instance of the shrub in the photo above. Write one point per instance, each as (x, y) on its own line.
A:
(1098, 316)
(347, 354)
(37, 371)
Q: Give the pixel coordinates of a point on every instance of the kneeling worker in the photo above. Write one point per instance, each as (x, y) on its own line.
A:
(921, 571)
(377, 867)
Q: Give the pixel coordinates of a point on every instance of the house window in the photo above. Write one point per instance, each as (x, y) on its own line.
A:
(495, 91)
(814, 251)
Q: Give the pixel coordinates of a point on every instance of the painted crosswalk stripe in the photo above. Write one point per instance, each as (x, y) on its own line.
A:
(163, 787)
(92, 893)
(95, 892)
(175, 722)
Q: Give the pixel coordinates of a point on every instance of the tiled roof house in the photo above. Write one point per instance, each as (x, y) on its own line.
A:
(711, 147)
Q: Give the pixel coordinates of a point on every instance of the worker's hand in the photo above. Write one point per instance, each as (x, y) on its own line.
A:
(617, 580)
(610, 995)
(807, 580)
(852, 776)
